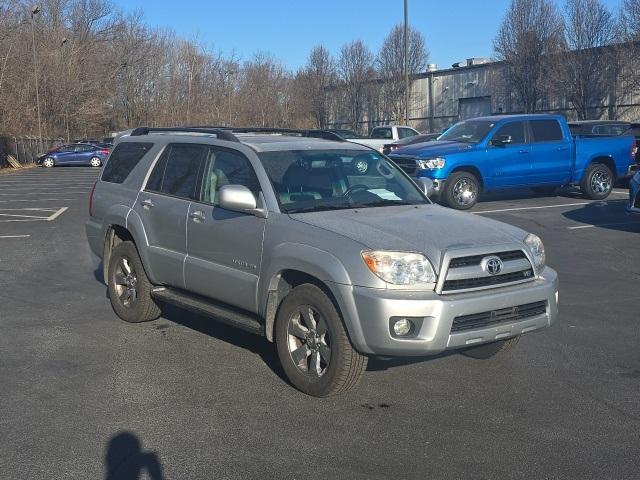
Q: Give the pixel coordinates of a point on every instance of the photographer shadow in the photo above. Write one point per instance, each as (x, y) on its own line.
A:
(125, 459)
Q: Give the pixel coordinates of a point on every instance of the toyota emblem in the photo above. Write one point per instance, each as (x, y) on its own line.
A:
(492, 265)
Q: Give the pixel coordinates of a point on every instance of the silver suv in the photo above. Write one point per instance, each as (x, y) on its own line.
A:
(279, 233)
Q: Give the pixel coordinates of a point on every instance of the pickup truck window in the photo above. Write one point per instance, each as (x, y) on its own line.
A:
(515, 130)
(224, 167)
(317, 180)
(546, 131)
(384, 133)
(406, 132)
(176, 171)
(123, 160)
(470, 131)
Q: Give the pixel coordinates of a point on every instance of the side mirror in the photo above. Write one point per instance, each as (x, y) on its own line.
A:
(501, 140)
(426, 185)
(237, 198)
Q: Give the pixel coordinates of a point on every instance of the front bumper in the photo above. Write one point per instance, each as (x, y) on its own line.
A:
(368, 314)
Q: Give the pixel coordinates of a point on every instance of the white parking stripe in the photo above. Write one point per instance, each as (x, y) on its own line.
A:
(57, 214)
(22, 216)
(36, 200)
(534, 208)
(44, 193)
(14, 236)
(580, 227)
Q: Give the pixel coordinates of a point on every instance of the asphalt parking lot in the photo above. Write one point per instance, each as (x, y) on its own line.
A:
(81, 390)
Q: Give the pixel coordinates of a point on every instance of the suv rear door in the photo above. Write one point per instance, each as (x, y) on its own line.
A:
(551, 153)
(163, 206)
(224, 247)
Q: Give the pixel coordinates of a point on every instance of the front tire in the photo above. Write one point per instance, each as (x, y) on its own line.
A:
(95, 162)
(129, 287)
(48, 162)
(597, 182)
(461, 190)
(313, 346)
(489, 350)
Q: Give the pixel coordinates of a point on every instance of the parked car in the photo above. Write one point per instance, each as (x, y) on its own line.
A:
(332, 267)
(515, 151)
(591, 128)
(634, 195)
(421, 138)
(75, 154)
(382, 135)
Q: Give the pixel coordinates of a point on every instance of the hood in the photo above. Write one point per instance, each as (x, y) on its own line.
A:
(433, 149)
(430, 229)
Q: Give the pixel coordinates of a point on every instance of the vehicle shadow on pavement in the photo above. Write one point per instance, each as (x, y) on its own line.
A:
(210, 326)
(608, 214)
(125, 459)
(377, 364)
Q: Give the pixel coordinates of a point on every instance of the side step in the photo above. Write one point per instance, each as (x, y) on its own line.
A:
(223, 313)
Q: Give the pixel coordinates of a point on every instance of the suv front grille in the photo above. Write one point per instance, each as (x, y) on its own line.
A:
(503, 315)
(476, 259)
(408, 164)
(467, 272)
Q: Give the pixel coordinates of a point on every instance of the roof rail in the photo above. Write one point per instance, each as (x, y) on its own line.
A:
(312, 133)
(222, 134)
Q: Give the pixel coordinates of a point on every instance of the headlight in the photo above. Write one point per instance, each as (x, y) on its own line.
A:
(400, 268)
(536, 247)
(431, 164)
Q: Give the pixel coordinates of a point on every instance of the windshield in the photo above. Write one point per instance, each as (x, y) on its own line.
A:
(316, 180)
(470, 131)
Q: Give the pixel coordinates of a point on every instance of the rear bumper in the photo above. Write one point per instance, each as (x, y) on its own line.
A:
(95, 236)
(369, 312)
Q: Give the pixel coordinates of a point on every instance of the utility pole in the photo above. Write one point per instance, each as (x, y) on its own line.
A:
(34, 11)
(228, 74)
(406, 62)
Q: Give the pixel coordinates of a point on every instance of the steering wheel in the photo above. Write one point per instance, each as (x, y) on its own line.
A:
(353, 188)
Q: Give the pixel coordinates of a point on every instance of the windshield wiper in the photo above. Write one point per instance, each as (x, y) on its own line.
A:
(383, 203)
(320, 208)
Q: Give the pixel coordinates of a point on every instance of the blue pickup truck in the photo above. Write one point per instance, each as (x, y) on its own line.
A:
(517, 151)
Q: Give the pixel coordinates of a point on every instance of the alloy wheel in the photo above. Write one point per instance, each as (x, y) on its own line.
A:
(95, 162)
(464, 192)
(600, 181)
(126, 282)
(48, 162)
(308, 341)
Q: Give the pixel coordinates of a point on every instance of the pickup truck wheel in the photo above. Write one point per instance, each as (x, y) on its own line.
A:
(488, 350)
(313, 346)
(597, 182)
(461, 190)
(129, 287)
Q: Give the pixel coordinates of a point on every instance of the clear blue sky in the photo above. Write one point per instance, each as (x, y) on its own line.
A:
(454, 30)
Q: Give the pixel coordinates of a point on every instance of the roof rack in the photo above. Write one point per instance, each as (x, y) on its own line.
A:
(222, 134)
(312, 133)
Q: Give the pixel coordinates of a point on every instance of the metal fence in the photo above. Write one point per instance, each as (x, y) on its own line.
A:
(24, 149)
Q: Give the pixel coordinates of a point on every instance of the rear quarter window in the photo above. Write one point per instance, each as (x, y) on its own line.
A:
(546, 131)
(123, 160)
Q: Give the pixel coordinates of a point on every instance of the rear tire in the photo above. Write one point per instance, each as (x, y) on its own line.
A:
(313, 346)
(461, 190)
(597, 182)
(129, 287)
(489, 350)
(95, 162)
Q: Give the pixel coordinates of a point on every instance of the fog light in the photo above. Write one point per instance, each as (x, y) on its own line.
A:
(402, 327)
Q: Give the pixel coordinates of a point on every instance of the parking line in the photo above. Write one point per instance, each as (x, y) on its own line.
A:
(14, 236)
(580, 227)
(57, 214)
(534, 208)
(32, 200)
(44, 193)
(22, 216)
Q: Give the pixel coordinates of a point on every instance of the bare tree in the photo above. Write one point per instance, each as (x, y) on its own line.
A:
(314, 81)
(355, 69)
(588, 27)
(529, 36)
(391, 67)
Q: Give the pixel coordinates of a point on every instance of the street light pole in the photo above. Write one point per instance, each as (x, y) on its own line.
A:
(34, 11)
(406, 62)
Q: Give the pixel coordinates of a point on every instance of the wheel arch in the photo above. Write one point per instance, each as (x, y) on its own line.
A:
(605, 160)
(473, 170)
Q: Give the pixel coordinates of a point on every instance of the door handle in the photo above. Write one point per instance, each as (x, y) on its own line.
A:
(523, 151)
(561, 149)
(147, 204)
(197, 216)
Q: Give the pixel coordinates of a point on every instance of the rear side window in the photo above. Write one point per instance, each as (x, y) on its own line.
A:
(546, 131)
(405, 132)
(176, 172)
(123, 160)
(381, 133)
